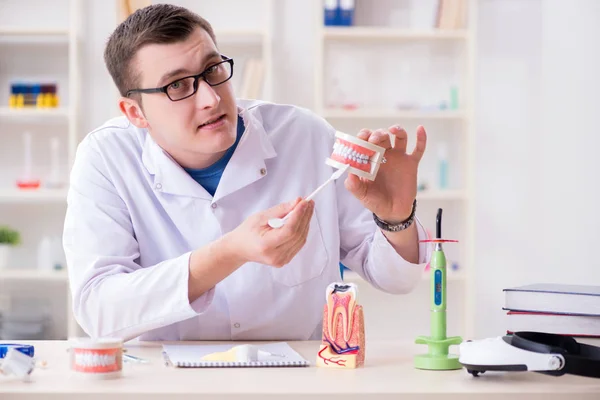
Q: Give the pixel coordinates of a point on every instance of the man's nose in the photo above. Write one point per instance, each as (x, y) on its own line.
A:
(206, 96)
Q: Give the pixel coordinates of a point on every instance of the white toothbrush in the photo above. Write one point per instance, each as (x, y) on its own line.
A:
(279, 222)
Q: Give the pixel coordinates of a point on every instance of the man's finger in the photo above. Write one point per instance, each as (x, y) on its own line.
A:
(380, 138)
(364, 134)
(401, 138)
(294, 228)
(304, 224)
(356, 186)
(295, 246)
(421, 143)
(280, 210)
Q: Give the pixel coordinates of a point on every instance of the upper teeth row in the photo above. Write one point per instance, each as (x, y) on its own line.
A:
(347, 152)
(95, 360)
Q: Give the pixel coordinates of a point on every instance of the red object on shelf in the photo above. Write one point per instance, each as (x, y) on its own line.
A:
(28, 184)
(439, 241)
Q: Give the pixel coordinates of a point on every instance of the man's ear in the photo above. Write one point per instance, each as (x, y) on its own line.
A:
(133, 111)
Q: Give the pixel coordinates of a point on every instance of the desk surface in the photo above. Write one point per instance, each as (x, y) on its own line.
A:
(387, 374)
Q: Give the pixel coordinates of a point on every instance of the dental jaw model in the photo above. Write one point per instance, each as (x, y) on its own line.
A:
(363, 158)
(343, 338)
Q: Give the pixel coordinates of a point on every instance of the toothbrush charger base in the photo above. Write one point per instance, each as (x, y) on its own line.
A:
(438, 358)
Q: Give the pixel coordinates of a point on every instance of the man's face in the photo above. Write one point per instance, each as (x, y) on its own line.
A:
(195, 131)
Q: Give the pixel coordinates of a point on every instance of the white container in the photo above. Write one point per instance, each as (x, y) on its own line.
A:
(45, 256)
(96, 358)
(4, 255)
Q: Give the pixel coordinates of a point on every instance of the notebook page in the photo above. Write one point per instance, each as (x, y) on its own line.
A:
(190, 355)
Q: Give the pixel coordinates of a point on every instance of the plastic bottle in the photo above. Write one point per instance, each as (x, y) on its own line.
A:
(331, 12)
(346, 13)
(443, 166)
(54, 180)
(45, 256)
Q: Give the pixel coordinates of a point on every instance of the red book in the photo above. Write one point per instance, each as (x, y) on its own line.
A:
(562, 324)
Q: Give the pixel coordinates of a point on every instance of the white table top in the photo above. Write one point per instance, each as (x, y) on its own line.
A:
(388, 373)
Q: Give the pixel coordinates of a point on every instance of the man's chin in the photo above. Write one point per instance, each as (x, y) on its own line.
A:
(213, 143)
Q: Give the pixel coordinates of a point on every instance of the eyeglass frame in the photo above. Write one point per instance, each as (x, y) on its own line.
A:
(196, 85)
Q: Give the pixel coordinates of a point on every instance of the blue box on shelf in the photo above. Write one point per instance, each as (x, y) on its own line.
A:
(331, 12)
(346, 12)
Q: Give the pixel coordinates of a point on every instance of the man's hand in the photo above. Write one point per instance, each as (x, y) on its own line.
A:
(390, 196)
(257, 242)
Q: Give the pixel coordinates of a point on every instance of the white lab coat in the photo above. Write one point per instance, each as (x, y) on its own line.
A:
(134, 215)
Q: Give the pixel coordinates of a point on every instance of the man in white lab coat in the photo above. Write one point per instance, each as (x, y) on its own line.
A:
(166, 232)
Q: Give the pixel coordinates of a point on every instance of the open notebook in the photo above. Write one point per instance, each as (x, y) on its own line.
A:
(190, 356)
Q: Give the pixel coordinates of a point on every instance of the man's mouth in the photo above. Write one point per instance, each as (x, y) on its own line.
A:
(211, 122)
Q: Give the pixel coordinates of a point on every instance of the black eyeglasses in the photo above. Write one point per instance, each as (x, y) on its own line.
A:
(185, 87)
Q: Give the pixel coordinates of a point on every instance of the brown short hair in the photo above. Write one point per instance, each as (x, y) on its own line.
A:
(155, 24)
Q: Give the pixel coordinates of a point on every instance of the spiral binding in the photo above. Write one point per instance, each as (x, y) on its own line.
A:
(237, 364)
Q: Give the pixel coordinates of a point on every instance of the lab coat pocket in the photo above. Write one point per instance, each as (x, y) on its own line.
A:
(308, 263)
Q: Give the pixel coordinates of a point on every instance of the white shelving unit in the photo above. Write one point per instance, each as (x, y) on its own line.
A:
(261, 37)
(19, 32)
(362, 33)
(17, 276)
(40, 196)
(392, 114)
(34, 113)
(37, 121)
(365, 37)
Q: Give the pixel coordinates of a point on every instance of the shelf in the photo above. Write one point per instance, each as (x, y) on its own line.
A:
(239, 35)
(392, 34)
(41, 195)
(13, 35)
(33, 112)
(16, 31)
(33, 275)
(391, 114)
(351, 276)
(441, 195)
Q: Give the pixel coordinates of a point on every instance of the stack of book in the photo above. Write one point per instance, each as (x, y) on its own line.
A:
(572, 310)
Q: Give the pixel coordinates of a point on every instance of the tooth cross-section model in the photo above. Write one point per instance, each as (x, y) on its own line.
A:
(343, 339)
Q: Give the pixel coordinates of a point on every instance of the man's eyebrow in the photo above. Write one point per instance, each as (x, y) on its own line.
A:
(166, 77)
(180, 71)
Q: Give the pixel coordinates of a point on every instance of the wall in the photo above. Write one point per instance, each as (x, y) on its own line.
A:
(536, 98)
(536, 148)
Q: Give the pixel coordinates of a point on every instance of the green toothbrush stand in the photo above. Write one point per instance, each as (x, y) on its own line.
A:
(438, 357)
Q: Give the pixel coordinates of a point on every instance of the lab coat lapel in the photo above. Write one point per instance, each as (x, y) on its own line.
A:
(168, 175)
(247, 164)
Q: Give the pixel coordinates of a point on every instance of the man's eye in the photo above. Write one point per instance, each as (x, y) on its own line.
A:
(175, 85)
(211, 70)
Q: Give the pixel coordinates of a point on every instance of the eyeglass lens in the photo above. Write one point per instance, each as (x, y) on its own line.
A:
(185, 87)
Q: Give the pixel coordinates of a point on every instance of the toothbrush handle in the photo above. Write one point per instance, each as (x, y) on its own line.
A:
(313, 194)
(317, 190)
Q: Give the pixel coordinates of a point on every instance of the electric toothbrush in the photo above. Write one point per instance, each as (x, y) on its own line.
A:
(438, 343)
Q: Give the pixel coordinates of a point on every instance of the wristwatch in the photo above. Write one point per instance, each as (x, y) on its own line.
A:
(386, 226)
